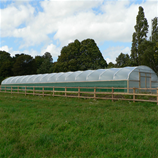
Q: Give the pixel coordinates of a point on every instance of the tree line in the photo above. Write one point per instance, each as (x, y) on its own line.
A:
(144, 50)
(86, 55)
(76, 56)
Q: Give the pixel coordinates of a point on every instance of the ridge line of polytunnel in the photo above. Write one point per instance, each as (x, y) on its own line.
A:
(103, 73)
(131, 72)
(44, 75)
(51, 75)
(4, 81)
(67, 74)
(70, 74)
(32, 77)
(86, 74)
(12, 79)
(89, 74)
(78, 74)
(29, 77)
(59, 75)
(116, 72)
(37, 77)
(24, 77)
(17, 78)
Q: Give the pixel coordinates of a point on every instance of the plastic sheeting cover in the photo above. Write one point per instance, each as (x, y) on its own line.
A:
(126, 73)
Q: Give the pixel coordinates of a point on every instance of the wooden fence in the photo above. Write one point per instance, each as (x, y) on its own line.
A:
(108, 93)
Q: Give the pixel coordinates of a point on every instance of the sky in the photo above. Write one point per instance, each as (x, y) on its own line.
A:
(36, 27)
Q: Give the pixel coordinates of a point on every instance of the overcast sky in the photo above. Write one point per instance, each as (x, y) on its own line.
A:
(34, 27)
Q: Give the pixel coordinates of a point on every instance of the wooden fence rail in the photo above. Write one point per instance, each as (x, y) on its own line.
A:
(109, 93)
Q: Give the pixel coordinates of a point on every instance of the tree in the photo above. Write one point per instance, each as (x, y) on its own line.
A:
(24, 65)
(6, 69)
(134, 50)
(38, 60)
(6, 64)
(4, 56)
(154, 33)
(91, 57)
(45, 67)
(46, 63)
(48, 56)
(123, 60)
(148, 58)
(150, 47)
(154, 38)
(111, 65)
(80, 56)
(140, 34)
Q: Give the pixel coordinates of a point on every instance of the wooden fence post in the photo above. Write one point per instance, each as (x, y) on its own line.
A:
(65, 91)
(95, 93)
(112, 94)
(18, 89)
(5, 89)
(11, 89)
(134, 97)
(53, 91)
(157, 96)
(25, 90)
(78, 92)
(43, 91)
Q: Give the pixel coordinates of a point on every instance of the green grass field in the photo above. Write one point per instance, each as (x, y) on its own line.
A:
(35, 127)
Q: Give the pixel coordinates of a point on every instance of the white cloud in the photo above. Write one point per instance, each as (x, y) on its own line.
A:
(12, 52)
(13, 16)
(5, 48)
(52, 49)
(70, 20)
(111, 53)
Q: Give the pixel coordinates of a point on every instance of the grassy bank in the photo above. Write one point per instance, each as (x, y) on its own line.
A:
(35, 126)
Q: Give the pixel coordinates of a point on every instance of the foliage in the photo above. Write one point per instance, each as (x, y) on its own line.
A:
(150, 47)
(46, 65)
(123, 60)
(80, 56)
(111, 65)
(4, 56)
(5, 65)
(134, 51)
(38, 61)
(35, 126)
(24, 65)
(48, 56)
(148, 58)
(6, 69)
(154, 32)
(155, 41)
(140, 34)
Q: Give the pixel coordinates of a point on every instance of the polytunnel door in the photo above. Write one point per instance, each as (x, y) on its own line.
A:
(145, 80)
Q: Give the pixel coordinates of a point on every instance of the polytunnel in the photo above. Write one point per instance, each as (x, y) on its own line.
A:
(126, 77)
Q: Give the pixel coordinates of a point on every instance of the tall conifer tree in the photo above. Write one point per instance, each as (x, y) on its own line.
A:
(155, 30)
(140, 34)
(150, 47)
